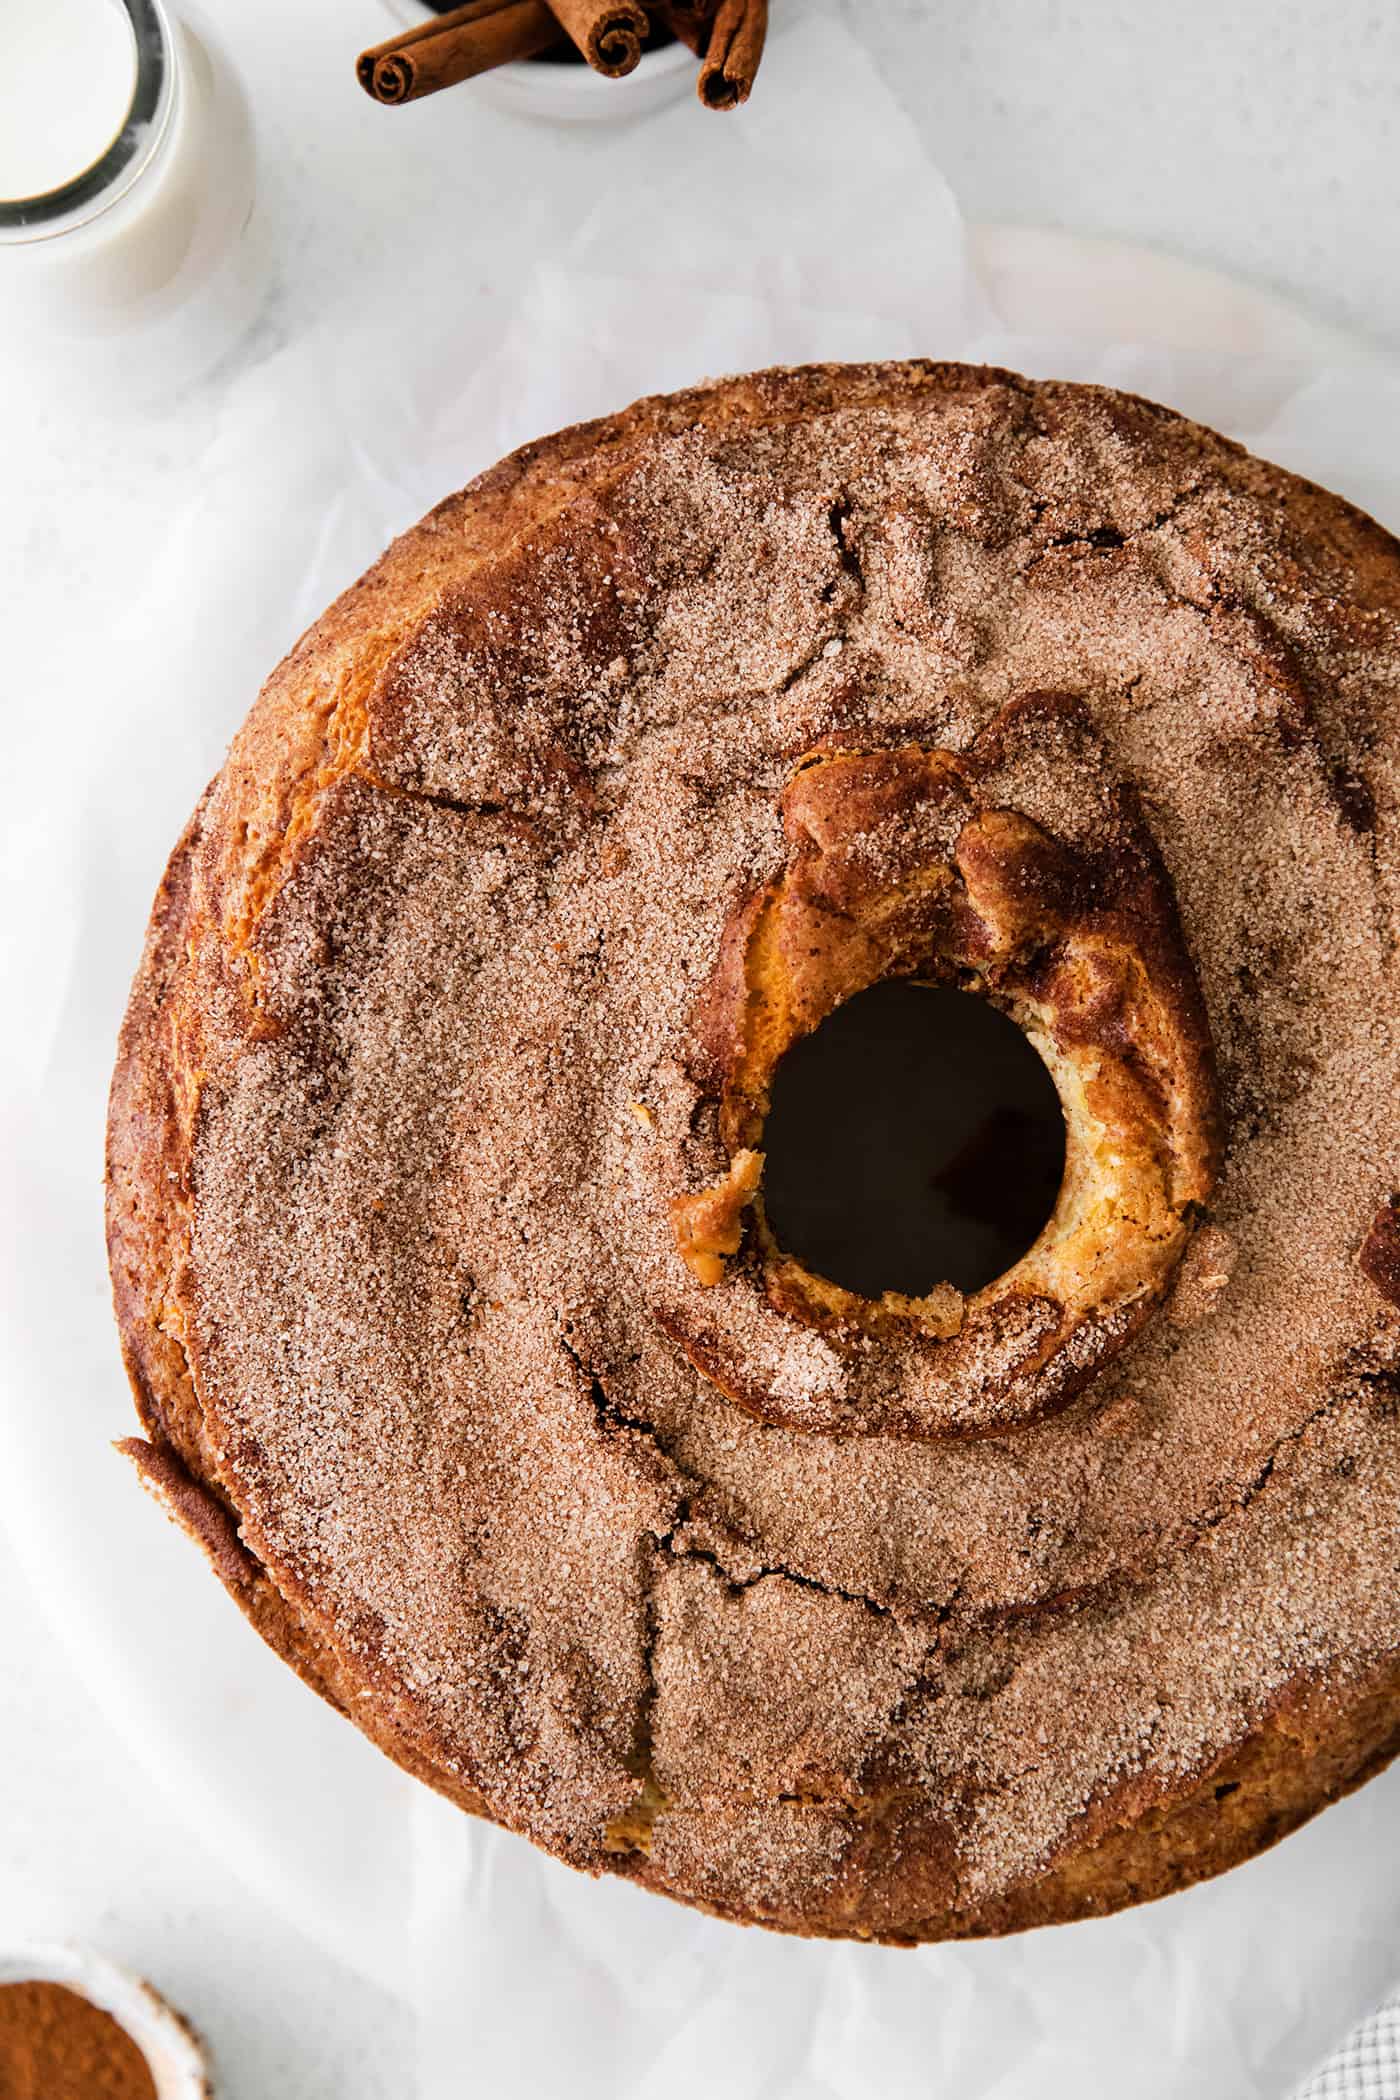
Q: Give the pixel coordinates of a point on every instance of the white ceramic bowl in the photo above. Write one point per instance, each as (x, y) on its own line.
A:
(178, 2064)
(569, 94)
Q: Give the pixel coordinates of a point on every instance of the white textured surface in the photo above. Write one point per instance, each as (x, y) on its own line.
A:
(1260, 135)
(1114, 117)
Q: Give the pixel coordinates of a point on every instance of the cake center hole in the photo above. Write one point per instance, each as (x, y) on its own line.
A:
(914, 1138)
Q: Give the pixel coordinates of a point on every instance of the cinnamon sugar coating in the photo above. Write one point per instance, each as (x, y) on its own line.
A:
(430, 1035)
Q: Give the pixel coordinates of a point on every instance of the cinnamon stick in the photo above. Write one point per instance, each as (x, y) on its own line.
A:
(609, 33)
(732, 53)
(689, 21)
(453, 47)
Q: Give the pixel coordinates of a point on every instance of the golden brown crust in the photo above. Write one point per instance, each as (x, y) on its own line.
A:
(348, 818)
(907, 862)
(150, 1116)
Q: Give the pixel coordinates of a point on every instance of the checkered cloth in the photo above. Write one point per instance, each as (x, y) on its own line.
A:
(1366, 2067)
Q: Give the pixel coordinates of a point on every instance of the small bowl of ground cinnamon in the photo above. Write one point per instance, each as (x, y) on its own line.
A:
(75, 2026)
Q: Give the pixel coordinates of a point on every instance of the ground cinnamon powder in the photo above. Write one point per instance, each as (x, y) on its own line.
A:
(57, 2045)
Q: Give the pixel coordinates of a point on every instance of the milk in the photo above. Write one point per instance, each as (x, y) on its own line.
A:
(59, 114)
(132, 268)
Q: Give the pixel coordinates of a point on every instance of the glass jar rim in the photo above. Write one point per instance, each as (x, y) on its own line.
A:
(96, 188)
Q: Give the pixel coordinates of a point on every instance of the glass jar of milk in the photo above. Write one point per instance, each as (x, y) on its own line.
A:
(126, 195)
